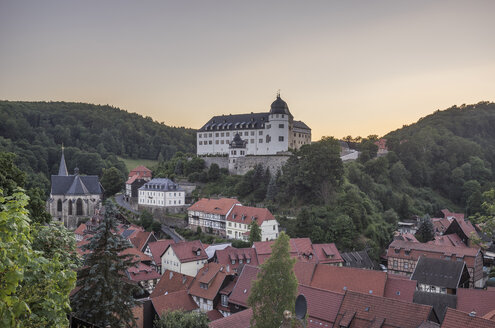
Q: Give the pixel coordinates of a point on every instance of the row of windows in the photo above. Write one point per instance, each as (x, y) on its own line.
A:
(249, 141)
(241, 152)
(227, 134)
(159, 202)
(152, 193)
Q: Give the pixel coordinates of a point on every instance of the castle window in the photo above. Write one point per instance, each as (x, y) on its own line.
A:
(70, 206)
(59, 205)
(252, 133)
(79, 208)
(222, 134)
(281, 138)
(201, 142)
(268, 139)
(268, 126)
(283, 115)
(216, 134)
(261, 140)
(227, 134)
(210, 142)
(246, 133)
(281, 126)
(260, 133)
(216, 142)
(252, 141)
(199, 135)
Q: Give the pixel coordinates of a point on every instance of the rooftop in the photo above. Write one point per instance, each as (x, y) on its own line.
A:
(214, 206)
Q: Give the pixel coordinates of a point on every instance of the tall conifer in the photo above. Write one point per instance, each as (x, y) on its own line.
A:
(275, 290)
(106, 296)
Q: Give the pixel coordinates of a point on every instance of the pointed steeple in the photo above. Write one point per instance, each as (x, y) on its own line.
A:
(62, 169)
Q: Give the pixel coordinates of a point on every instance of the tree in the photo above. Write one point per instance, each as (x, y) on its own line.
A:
(426, 230)
(214, 172)
(275, 289)
(254, 232)
(106, 297)
(112, 181)
(35, 277)
(146, 220)
(181, 319)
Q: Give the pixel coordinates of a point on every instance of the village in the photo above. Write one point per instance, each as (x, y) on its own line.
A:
(441, 283)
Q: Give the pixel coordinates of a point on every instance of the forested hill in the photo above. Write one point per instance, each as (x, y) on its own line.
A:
(93, 136)
(451, 151)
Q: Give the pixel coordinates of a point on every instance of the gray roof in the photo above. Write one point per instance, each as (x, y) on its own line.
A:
(236, 122)
(62, 169)
(279, 106)
(440, 302)
(301, 125)
(359, 259)
(76, 185)
(438, 272)
(160, 184)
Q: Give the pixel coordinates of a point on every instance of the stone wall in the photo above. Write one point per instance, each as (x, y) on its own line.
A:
(244, 164)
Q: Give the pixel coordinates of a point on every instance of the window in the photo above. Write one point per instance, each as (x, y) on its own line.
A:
(281, 126)
(222, 134)
(221, 141)
(395, 263)
(246, 133)
(248, 261)
(281, 138)
(200, 135)
(225, 300)
(260, 133)
(70, 207)
(227, 134)
(216, 142)
(397, 250)
(216, 134)
(79, 208)
(407, 252)
(268, 126)
(233, 262)
(260, 140)
(59, 205)
(210, 135)
(274, 227)
(252, 141)
(210, 142)
(268, 139)
(406, 265)
(201, 142)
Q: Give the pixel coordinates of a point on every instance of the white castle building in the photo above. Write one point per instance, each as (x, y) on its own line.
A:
(260, 133)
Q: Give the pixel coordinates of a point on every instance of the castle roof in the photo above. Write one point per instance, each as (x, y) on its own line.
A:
(76, 185)
(279, 107)
(236, 122)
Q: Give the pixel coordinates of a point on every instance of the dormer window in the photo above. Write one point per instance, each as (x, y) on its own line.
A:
(198, 252)
(203, 285)
(240, 261)
(248, 261)
(233, 261)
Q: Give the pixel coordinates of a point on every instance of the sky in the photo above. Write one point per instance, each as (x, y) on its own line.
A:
(344, 67)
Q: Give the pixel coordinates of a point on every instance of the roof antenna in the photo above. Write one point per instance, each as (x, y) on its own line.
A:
(278, 93)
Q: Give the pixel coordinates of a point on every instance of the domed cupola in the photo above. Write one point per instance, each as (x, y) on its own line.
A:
(238, 142)
(279, 106)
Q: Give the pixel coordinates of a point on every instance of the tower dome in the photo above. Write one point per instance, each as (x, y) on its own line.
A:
(279, 107)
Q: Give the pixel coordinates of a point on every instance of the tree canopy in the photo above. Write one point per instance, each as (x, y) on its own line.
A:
(181, 319)
(275, 288)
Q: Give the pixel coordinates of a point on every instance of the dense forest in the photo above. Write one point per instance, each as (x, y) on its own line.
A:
(93, 137)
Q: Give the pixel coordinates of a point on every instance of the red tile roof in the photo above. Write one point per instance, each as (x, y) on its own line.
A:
(417, 248)
(304, 272)
(363, 310)
(478, 300)
(157, 249)
(451, 239)
(138, 255)
(323, 305)
(299, 247)
(214, 206)
(186, 251)
(242, 288)
(139, 239)
(179, 300)
(456, 319)
(227, 255)
(340, 279)
(132, 179)
(212, 274)
(142, 272)
(466, 226)
(237, 320)
(141, 171)
(400, 288)
(80, 230)
(171, 282)
(214, 315)
(327, 253)
(440, 224)
(246, 214)
(448, 214)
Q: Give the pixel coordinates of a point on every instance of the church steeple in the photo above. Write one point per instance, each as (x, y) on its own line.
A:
(62, 169)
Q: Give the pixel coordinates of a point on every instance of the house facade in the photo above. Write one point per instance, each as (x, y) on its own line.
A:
(402, 257)
(265, 133)
(161, 192)
(240, 218)
(137, 178)
(185, 257)
(210, 214)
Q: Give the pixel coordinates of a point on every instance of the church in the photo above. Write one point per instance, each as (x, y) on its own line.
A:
(267, 133)
(73, 197)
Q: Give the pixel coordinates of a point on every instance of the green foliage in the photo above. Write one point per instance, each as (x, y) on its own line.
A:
(112, 181)
(102, 279)
(254, 232)
(213, 172)
(37, 268)
(181, 319)
(426, 230)
(275, 289)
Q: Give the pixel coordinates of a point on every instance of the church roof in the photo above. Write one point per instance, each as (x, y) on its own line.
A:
(62, 169)
(75, 185)
(236, 122)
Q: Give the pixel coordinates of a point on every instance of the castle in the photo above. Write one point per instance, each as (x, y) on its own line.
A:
(73, 197)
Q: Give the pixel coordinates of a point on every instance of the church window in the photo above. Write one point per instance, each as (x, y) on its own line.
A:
(281, 138)
(70, 206)
(79, 207)
(59, 205)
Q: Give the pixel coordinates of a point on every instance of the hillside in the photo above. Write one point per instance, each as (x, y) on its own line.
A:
(93, 136)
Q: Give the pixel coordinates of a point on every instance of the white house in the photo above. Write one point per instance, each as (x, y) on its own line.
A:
(210, 214)
(161, 192)
(240, 218)
(185, 257)
(264, 133)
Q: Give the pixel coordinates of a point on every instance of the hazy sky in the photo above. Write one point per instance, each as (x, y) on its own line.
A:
(344, 67)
